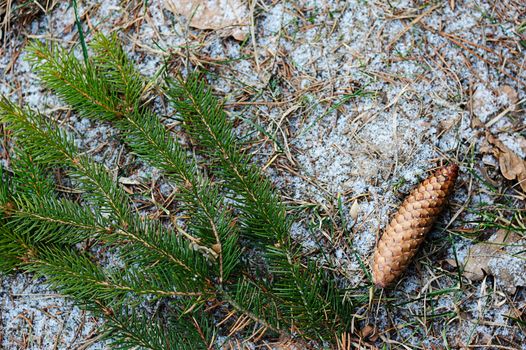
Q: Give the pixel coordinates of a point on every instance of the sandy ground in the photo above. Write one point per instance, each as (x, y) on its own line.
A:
(358, 100)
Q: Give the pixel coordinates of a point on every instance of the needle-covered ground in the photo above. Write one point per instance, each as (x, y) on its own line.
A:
(347, 106)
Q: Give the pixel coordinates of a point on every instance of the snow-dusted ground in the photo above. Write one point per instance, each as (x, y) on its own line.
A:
(360, 99)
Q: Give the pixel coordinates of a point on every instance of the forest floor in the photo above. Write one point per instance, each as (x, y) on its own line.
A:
(348, 105)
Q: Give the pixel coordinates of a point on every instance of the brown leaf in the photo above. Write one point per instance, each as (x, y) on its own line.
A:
(477, 261)
(497, 257)
(511, 94)
(355, 210)
(368, 332)
(228, 17)
(511, 165)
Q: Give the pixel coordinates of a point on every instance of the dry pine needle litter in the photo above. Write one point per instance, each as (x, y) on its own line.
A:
(411, 223)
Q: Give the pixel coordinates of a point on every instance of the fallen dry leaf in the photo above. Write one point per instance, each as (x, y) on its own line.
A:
(511, 94)
(228, 17)
(477, 261)
(355, 210)
(369, 331)
(511, 165)
(497, 257)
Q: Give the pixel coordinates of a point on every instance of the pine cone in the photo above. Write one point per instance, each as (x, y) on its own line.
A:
(407, 229)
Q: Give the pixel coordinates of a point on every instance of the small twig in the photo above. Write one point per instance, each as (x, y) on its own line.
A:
(408, 27)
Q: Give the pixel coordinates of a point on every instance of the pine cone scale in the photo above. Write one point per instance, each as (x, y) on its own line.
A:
(410, 224)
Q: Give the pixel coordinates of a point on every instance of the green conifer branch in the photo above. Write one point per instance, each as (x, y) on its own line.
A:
(264, 215)
(184, 270)
(52, 220)
(251, 299)
(110, 59)
(77, 82)
(149, 138)
(307, 296)
(75, 274)
(12, 250)
(29, 177)
(55, 147)
(111, 295)
(143, 131)
(134, 329)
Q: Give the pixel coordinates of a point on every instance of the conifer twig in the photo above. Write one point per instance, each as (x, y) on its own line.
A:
(185, 267)
(265, 215)
(118, 99)
(51, 146)
(307, 297)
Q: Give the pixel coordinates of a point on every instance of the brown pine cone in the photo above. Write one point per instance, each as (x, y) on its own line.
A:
(407, 229)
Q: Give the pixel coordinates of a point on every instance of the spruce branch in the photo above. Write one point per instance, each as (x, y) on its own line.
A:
(156, 244)
(109, 294)
(134, 329)
(35, 211)
(96, 289)
(115, 66)
(77, 82)
(311, 298)
(251, 299)
(32, 129)
(29, 177)
(148, 137)
(76, 274)
(308, 298)
(52, 220)
(210, 222)
(264, 215)
(144, 133)
(50, 146)
(13, 250)
(186, 268)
